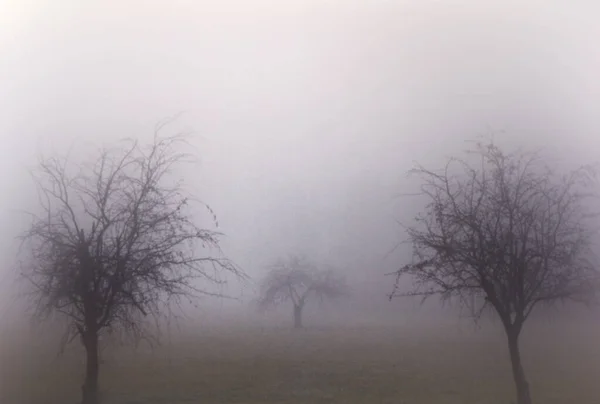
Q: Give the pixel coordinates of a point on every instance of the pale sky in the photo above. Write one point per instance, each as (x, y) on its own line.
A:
(307, 113)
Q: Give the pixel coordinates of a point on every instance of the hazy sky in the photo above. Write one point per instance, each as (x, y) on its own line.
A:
(307, 113)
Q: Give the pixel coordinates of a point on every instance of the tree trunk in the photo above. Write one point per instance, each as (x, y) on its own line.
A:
(521, 384)
(90, 385)
(297, 316)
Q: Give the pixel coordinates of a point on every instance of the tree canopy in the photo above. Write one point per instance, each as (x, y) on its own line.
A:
(506, 232)
(297, 280)
(117, 239)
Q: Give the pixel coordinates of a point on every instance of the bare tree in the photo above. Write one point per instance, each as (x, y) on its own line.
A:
(297, 280)
(117, 240)
(505, 233)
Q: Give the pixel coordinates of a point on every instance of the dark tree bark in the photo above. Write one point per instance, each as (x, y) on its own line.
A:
(116, 240)
(506, 233)
(298, 316)
(297, 280)
(521, 384)
(90, 385)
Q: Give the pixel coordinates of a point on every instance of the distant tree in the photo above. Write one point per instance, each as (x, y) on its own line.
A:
(505, 233)
(297, 280)
(117, 240)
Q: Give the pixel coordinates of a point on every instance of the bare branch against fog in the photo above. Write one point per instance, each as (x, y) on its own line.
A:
(297, 280)
(117, 240)
(508, 233)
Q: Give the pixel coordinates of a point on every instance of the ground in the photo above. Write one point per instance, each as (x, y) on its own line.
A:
(324, 365)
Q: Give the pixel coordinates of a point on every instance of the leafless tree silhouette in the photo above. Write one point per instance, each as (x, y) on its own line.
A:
(297, 280)
(506, 233)
(116, 241)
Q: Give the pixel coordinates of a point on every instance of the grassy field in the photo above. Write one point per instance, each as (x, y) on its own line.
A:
(344, 365)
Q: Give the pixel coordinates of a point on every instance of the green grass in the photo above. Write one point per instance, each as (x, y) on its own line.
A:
(350, 365)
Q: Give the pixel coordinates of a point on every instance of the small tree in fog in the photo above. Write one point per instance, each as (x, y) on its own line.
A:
(505, 233)
(117, 240)
(297, 280)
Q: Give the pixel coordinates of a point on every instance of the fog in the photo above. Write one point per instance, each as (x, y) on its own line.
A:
(306, 114)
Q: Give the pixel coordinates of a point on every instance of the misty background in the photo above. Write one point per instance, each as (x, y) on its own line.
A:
(306, 114)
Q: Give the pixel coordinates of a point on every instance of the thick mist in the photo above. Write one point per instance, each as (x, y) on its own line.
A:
(306, 116)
